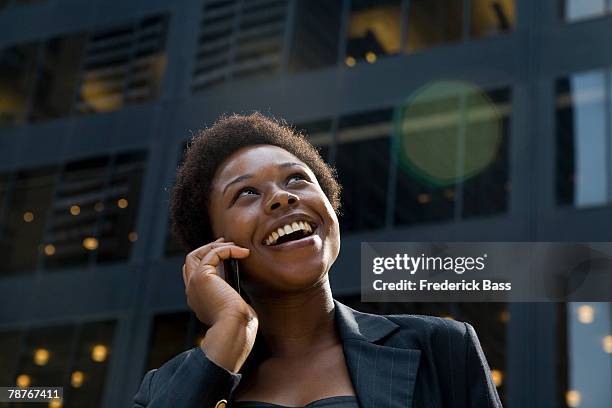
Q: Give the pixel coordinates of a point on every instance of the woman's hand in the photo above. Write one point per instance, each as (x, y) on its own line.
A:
(219, 306)
(208, 294)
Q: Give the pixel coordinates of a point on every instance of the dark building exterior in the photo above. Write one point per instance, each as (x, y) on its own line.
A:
(98, 98)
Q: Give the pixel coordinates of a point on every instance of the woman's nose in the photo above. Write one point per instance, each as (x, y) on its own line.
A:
(281, 199)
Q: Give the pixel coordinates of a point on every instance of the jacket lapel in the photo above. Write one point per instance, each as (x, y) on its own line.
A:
(383, 376)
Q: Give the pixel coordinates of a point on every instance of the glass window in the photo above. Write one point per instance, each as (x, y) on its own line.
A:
(118, 225)
(95, 211)
(432, 23)
(489, 17)
(72, 232)
(315, 34)
(575, 10)
(17, 74)
(91, 360)
(122, 65)
(584, 164)
(46, 357)
(10, 345)
(362, 162)
(452, 151)
(374, 30)
(172, 334)
(25, 218)
(58, 75)
(586, 336)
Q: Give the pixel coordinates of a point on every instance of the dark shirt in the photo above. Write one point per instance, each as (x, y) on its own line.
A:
(345, 401)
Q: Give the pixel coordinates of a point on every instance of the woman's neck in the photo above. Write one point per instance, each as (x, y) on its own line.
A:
(295, 325)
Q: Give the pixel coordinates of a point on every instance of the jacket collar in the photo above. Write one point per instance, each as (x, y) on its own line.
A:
(382, 375)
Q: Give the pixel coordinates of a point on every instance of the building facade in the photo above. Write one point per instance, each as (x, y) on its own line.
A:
(512, 98)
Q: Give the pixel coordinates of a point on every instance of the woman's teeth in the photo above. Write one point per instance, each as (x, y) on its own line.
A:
(288, 229)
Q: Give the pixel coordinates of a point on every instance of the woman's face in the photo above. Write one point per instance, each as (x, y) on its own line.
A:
(259, 190)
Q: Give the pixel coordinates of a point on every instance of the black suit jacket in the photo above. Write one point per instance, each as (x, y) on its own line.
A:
(395, 361)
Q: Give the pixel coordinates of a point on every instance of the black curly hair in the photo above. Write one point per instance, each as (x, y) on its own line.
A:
(211, 146)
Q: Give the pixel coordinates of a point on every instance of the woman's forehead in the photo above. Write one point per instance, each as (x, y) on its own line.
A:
(253, 159)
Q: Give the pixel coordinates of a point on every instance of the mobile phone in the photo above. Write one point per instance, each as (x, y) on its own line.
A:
(232, 276)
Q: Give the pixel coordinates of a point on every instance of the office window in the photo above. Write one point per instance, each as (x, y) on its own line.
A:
(577, 10)
(584, 334)
(17, 74)
(95, 211)
(374, 30)
(122, 65)
(452, 154)
(583, 161)
(58, 76)
(73, 356)
(362, 161)
(432, 23)
(172, 334)
(25, 218)
(239, 39)
(489, 17)
(316, 35)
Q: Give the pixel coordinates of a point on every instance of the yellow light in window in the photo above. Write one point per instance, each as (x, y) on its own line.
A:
(370, 57)
(90, 243)
(76, 379)
(498, 377)
(99, 206)
(23, 380)
(41, 356)
(122, 203)
(423, 198)
(56, 403)
(75, 210)
(586, 314)
(504, 316)
(449, 194)
(133, 236)
(28, 216)
(572, 398)
(607, 344)
(49, 249)
(99, 353)
(350, 61)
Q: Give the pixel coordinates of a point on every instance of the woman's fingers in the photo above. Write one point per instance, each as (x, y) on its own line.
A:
(216, 255)
(192, 260)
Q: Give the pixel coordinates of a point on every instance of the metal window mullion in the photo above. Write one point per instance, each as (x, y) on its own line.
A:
(343, 40)
(74, 343)
(404, 10)
(608, 131)
(289, 28)
(467, 20)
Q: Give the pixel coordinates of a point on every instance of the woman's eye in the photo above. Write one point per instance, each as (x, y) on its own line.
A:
(296, 176)
(245, 191)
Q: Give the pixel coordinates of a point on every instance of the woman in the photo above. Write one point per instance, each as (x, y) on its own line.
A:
(253, 190)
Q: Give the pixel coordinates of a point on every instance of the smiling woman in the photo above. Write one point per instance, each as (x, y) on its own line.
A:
(254, 190)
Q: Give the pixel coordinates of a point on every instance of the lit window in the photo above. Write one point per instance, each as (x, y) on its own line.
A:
(17, 74)
(489, 17)
(583, 132)
(432, 23)
(374, 29)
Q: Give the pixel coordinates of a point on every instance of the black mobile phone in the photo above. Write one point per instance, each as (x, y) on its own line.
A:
(232, 276)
